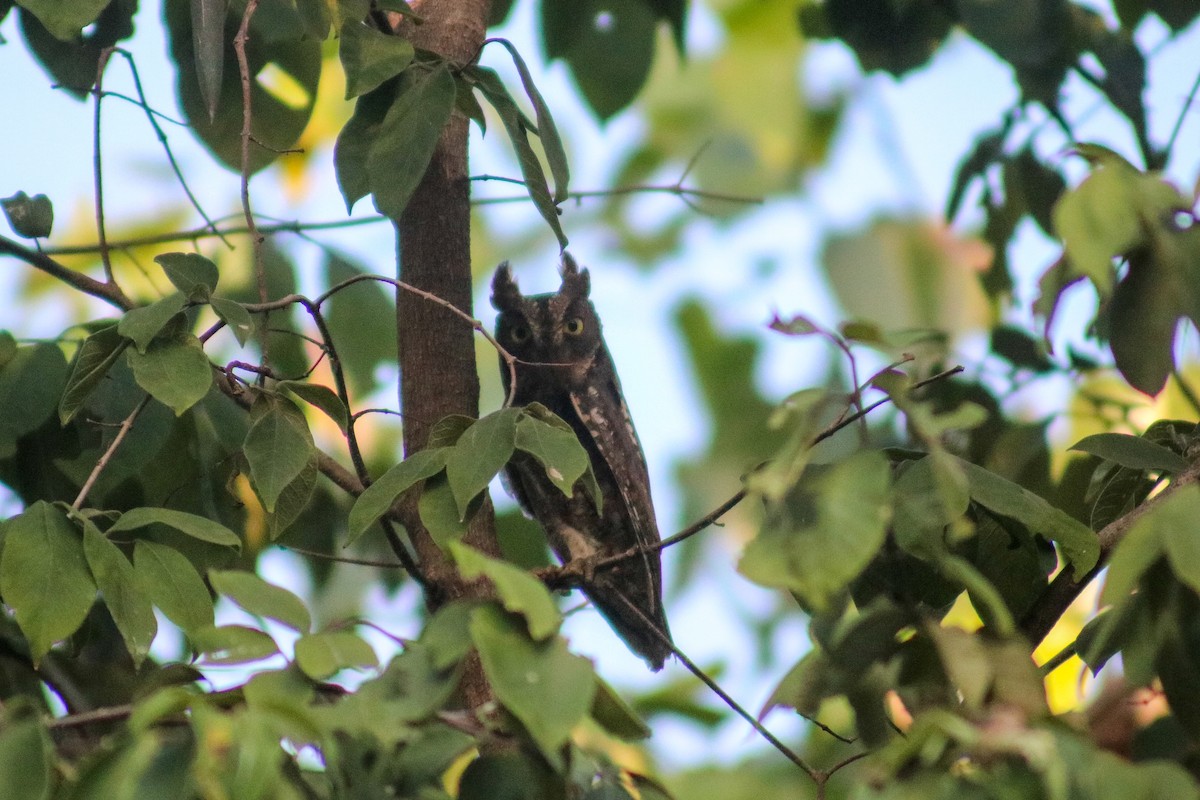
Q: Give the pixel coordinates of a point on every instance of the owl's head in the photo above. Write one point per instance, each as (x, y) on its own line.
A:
(559, 327)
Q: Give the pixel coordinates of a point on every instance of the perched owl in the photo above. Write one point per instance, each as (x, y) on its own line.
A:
(564, 365)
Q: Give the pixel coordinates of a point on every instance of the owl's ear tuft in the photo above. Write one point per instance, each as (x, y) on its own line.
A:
(505, 294)
(575, 281)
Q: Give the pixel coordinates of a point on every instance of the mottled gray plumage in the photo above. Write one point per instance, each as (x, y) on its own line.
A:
(565, 365)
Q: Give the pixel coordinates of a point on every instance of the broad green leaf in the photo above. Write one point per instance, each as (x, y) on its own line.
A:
(921, 510)
(206, 530)
(375, 501)
(286, 67)
(447, 430)
(44, 576)
(370, 57)
(518, 591)
(1131, 451)
(510, 775)
(293, 501)
(278, 447)
(65, 20)
(31, 217)
(411, 687)
(1079, 545)
(30, 385)
(173, 584)
(8, 348)
(407, 137)
(446, 635)
(192, 274)
(558, 450)
(261, 599)
(609, 61)
(324, 654)
(96, 356)
(1103, 217)
(439, 512)
(321, 398)
(175, 371)
(25, 760)
(353, 146)
(130, 608)
(142, 324)
(480, 453)
(616, 716)
(234, 315)
(546, 687)
(1175, 520)
(820, 537)
(232, 644)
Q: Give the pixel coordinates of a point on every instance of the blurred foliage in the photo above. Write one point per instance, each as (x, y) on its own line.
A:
(930, 546)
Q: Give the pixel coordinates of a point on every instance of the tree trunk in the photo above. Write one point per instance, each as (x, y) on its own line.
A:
(438, 374)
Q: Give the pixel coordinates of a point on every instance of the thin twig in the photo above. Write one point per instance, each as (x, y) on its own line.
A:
(1186, 390)
(109, 292)
(1187, 104)
(361, 562)
(97, 167)
(162, 138)
(109, 714)
(111, 450)
(716, 689)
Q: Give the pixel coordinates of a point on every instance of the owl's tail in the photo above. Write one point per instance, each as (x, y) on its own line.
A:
(642, 628)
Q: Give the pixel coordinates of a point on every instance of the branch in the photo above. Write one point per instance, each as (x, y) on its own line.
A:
(97, 169)
(102, 462)
(108, 292)
(1063, 590)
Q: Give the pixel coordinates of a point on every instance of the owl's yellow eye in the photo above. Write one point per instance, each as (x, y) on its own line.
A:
(573, 326)
(520, 333)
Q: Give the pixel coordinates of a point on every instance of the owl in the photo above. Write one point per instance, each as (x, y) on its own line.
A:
(565, 365)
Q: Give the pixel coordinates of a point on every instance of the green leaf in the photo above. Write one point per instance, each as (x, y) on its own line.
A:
(518, 128)
(31, 217)
(175, 371)
(208, 32)
(558, 450)
(234, 315)
(129, 607)
(321, 398)
(354, 143)
(439, 512)
(322, 655)
(616, 716)
(261, 599)
(143, 323)
(518, 591)
(173, 584)
(25, 759)
(232, 644)
(293, 501)
(547, 132)
(1131, 451)
(192, 274)
(480, 453)
(44, 576)
(820, 537)
(375, 501)
(1137, 552)
(96, 356)
(65, 20)
(370, 57)
(1103, 216)
(1175, 519)
(30, 384)
(361, 318)
(608, 45)
(278, 447)
(407, 137)
(206, 530)
(286, 67)
(544, 686)
(1079, 545)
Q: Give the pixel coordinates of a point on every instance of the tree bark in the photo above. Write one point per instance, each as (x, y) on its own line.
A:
(438, 374)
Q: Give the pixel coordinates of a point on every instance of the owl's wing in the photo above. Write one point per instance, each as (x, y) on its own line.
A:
(602, 410)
